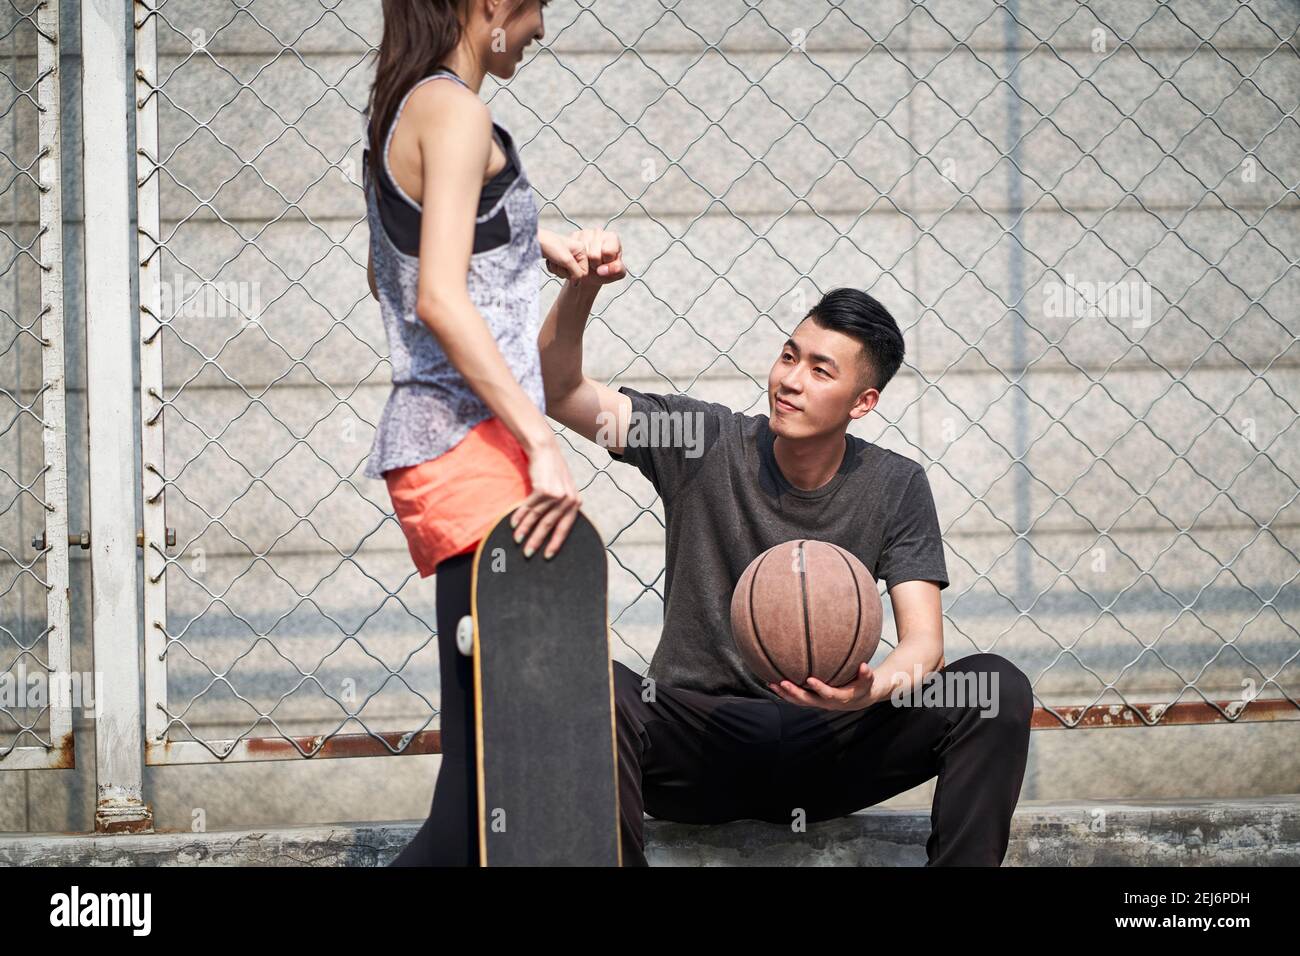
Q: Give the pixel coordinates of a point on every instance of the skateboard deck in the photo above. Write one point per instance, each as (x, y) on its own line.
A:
(544, 702)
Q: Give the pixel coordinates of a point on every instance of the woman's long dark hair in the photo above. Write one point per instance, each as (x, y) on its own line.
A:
(418, 36)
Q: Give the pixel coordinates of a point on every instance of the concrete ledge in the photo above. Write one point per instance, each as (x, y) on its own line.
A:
(1260, 831)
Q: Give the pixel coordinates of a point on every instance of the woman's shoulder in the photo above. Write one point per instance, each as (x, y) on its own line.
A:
(446, 100)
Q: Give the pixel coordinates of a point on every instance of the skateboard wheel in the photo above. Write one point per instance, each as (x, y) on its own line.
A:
(465, 635)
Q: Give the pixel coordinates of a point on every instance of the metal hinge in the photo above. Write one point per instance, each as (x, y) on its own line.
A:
(82, 540)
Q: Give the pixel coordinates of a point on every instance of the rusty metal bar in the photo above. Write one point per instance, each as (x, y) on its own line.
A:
(1150, 715)
(292, 748)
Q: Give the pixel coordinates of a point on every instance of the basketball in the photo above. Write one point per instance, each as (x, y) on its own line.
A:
(806, 609)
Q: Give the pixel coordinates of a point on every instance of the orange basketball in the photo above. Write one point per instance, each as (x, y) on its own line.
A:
(806, 609)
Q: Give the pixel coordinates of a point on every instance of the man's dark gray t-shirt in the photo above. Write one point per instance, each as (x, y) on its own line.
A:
(726, 502)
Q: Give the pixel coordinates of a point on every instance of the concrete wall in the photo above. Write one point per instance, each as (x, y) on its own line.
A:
(1157, 493)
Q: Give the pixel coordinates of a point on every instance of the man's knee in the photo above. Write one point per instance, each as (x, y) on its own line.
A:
(1005, 693)
(629, 705)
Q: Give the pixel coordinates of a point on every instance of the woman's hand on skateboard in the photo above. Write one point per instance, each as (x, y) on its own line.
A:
(553, 505)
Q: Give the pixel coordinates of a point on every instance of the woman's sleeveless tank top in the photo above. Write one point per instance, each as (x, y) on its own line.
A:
(431, 407)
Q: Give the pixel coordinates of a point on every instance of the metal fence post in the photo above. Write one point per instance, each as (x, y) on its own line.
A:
(119, 740)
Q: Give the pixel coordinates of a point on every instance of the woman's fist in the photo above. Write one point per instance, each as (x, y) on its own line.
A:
(564, 255)
(585, 257)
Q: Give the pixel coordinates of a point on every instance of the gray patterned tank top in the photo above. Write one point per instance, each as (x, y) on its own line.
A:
(431, 407)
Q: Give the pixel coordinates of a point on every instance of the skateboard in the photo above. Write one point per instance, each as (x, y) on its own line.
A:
(544, 701)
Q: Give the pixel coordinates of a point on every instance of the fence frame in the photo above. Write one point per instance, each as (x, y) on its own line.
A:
(60, 752)
(117, 615)
(160, 751)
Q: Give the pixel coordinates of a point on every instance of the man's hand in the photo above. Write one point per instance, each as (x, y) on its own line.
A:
(603, 254)
(588, 257)
(854, 695)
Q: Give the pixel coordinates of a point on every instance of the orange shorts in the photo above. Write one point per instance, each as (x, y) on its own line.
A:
(446, 505)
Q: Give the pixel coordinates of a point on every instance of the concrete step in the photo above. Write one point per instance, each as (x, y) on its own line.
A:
(1258, 831)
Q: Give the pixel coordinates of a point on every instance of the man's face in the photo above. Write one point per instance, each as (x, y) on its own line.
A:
(819, 383)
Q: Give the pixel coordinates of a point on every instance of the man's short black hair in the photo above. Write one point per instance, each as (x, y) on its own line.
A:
(855, 313)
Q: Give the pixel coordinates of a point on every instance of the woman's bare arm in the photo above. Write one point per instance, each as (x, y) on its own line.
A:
(455, 139)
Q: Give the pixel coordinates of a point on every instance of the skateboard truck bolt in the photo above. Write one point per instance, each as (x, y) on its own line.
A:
(465, 635)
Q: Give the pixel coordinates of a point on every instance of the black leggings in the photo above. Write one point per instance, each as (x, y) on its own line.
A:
(449, 836)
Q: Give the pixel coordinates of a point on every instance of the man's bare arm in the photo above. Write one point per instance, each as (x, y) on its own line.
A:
(592, 409)
(918, 615)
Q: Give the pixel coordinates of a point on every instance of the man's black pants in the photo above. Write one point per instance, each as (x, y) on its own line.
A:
(699, 758)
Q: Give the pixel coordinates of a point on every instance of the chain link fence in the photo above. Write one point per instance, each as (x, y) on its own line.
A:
(1083, 216)
(35, 698)
(279, 623)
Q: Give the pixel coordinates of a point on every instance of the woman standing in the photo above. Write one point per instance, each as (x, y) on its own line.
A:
(454, 245)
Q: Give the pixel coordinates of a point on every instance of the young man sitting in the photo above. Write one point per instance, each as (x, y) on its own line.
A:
(701, 739)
